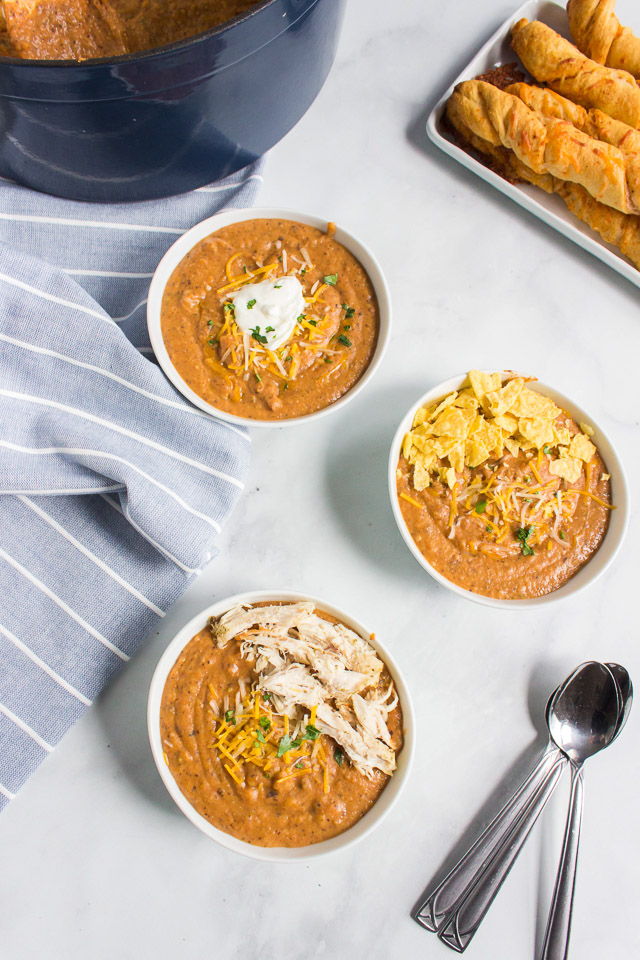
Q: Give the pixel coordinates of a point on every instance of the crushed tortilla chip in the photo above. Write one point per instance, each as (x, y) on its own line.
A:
(569, 468)
(581, 448)
(587, 428)
(484, 383)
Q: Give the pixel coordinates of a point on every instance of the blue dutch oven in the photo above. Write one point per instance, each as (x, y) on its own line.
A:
(168, 120)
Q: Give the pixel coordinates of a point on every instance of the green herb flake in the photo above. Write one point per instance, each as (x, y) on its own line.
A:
(251, 304)
(244, 269)
(523, 535)
(287, 359)
(212, 342)
(488, 528)
(328, 360)
(268, 776)
(255, 333)
(332, 279)
(277, 286)
(312, 732)
(303, 271)
(546, 449)
(270, 330)
(266, 696)
(209, 323)
(230, 716)
(347, 326)
(286, 744)
(344, 340)
(280, 259)
(299, 765)
(527, 479)
(258, 378)
(302, 317)
(349, 311)
(260, 736)
(338, 758)
(562, 536)
(285, 387)
(314, 323)
(230, 309)
(481, 506)
(264, 722)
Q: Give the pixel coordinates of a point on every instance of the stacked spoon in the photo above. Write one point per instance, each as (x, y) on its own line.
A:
(584, 715)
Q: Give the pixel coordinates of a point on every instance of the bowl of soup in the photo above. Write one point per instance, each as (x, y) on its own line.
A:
(281, 726)
(269, 317)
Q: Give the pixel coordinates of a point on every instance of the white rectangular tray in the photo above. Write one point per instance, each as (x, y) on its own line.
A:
(549, 208)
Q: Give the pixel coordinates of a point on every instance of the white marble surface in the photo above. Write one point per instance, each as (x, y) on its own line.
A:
(97, 863)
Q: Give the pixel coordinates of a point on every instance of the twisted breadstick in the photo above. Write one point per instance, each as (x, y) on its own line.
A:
(599, 34)
(546, 145)
(553, 60)
(619, 229)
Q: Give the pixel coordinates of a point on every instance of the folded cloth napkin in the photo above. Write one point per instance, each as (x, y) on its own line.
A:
(112, 487)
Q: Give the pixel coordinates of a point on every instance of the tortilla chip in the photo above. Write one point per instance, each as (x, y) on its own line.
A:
(512, 446)
(534, 406)
(448, 400)
(569, 468)
(454, 422)
(501, 400)
(562, 435)
(476, 453)
(424, 430)
(421, 477)
(539, 432)
(420, 417)
(587, 428)
(456, 456)
(483, 383)
(507, 423)
(581, 448)
(407, 443)
(466, 399)
(451, 478)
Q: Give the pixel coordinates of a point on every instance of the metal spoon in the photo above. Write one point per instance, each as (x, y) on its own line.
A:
(584, 718)
(455, 908)
(622, 678)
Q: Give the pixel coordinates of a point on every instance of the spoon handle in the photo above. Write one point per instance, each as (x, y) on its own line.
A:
(462, 923)
(556, 938)
(433, 911)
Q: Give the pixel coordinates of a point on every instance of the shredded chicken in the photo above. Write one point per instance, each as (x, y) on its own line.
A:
(304, 661)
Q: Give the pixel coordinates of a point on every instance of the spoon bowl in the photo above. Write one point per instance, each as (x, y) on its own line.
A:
(584, 713)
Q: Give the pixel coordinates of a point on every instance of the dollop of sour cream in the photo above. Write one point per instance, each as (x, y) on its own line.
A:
(269, 309)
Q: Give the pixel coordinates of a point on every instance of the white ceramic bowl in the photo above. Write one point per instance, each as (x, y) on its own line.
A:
(181, 248)
(364, 826)
(618, 521)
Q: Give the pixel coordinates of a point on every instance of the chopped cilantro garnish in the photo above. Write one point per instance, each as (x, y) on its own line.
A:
(312, 733)
(328, 360)
(260, 736)
(270, 330)
(285, 387)
(258, 378)
(230, 309)
(337, 756)
(277, 286)
(546, 449)
(302, 317)
(212, 342)
(268, 776)
(349, 311)
(209, 323)
(488, 528)
(303, 271)
(314, 323)
(287, 359)
(332, 279)
(280, 259)
(251, 304)
(523, 535)
(562, 534)
(244, 269)
(255, 333)
(299, 765)
(264, 722)
(527, 479)
(286, 744)
(481, 506)
(344, 340)
(347, 326)
(266, 696)
(230, 716)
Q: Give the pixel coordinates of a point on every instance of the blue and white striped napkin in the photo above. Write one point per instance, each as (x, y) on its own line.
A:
(112, 487)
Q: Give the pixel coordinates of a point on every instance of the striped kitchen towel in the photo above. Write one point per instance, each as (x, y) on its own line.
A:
(112, 487)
